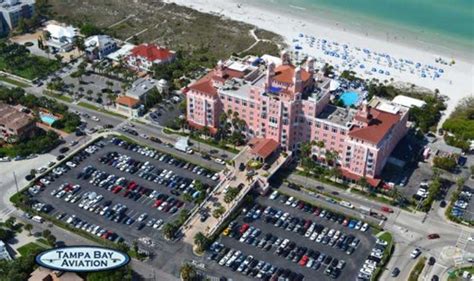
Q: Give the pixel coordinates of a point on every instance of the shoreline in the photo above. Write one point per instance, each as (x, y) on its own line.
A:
(456, 81)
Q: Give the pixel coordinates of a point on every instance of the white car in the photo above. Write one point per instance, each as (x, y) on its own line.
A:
(142, 217)
(95, 118)
(158, 223)
(415, 253)
(364, 227)
(274, 195)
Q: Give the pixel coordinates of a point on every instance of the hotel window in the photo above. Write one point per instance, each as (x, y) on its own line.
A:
(252, 105)
(334, 130)
(229, 98)
(237, 101)
(244, 103)
(326, 127)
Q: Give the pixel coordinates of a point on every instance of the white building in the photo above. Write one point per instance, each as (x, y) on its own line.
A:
(99, 46)
(408, 101)
(12, 11)
(61, 38)
(4, 255)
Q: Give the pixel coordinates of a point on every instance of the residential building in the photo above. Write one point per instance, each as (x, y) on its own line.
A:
(4, 254)
(12, 11)
(15, 125)
(61, 37)
(46, 274)
(121, 53)
(291, 105)
(99, 46)
(144, 56)
(128, 106)
(141, 87)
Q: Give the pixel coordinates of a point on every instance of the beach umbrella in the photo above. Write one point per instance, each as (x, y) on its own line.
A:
(362, 66)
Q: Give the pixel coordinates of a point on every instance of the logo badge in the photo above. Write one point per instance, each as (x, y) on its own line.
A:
(82, 259)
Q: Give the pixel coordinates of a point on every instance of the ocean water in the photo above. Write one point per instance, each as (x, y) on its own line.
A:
(448, 22)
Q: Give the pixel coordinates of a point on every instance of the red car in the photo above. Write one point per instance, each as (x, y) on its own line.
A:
(433, 236)
(386, 209)
(244, 228)
(158, 203)
(304, 260)
(117, 189)
(317, 212)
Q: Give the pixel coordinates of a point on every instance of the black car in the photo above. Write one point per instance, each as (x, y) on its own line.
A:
(140, 226)
(395, 272)
(60, 157)
(431, 261)
(64, 149)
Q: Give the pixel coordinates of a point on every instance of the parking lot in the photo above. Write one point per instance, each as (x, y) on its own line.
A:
(286, 237)
(167, 111)
(463, 208)
(118, 190)
(95, 84)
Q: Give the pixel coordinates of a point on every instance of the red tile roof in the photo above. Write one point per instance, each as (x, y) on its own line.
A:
(205, 85)
(128, 101)
(263, 147)
(285, 73)
(379, 125)
(351, 176)
(152, 52)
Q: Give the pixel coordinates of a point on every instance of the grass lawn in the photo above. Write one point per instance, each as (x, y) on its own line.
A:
(415, 273)
(42, 241)
(28, 66)
(93, 107)
(13, 82)
(386, 237)
(59, 97)
(457, 274)
(29, 248)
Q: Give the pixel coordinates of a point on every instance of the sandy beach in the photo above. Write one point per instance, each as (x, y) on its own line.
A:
(330, 42)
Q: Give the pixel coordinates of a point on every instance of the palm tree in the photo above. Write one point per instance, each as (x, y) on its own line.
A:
(200, 241)
(187, 272)
(169, 230)
(362, 182)
(28, 227)
(79, 44)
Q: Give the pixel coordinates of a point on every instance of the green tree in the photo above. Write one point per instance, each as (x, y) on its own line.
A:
(88, 29)
(363, 183)
(169, 230)
(231, 194)
(6, 234)
(29, 227)
(445, 163)
(201, 242)
(187, 272)
(51, 240)
(46, 233)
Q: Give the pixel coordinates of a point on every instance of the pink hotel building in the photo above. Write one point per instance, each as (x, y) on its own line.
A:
(291, 105)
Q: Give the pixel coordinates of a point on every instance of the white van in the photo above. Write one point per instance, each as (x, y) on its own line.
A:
(38, 219)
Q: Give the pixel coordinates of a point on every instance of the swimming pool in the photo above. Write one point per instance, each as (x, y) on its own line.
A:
(47, 118)
(349, 98)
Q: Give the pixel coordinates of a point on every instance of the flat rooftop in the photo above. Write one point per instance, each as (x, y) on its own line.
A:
(141, 86)
(240, 88)
(337, 115)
